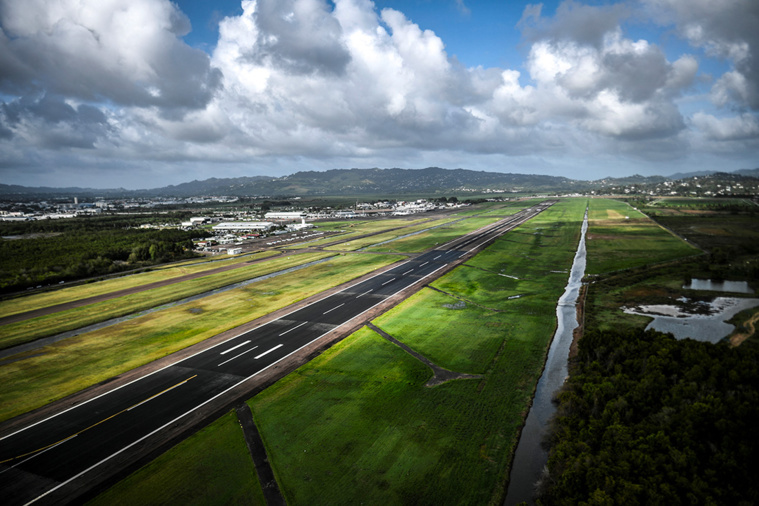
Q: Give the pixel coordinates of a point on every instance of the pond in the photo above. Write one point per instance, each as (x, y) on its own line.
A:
(719, 286)
(708, 323)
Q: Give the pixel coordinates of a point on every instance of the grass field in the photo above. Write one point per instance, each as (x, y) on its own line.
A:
(355, 228)
(358, 424)
(212, 466)
(620, 237)
(43, 326)
(353, 245)
(46, 299)
(717, 231)
(41, 376)
(430, 239)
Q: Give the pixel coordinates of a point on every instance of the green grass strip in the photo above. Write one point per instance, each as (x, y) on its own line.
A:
(43, 326)
(50, 373)
(52, 298)
(212, 466)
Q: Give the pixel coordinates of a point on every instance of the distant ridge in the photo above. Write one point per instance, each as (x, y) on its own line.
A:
(374, 181)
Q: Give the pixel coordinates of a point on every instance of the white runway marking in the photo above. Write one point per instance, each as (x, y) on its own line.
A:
(425, 263)
(236, 356)
(407, 272)
(329, 311)
(234, 348)
(286, 331)
(267, 352)
(359, 296)
(437, 257)
(386, 282)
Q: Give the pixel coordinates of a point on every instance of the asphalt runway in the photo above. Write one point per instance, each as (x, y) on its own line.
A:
(43, 457)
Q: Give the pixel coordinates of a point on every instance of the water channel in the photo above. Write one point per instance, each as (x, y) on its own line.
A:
(530, 458)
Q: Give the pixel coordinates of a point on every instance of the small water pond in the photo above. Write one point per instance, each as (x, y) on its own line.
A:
(719, 286)
(702, 321)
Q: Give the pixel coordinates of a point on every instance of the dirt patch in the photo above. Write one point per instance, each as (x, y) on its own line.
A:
(738, 338)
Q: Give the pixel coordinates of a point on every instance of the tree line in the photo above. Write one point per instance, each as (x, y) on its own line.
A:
(84, 248)
(647, 419)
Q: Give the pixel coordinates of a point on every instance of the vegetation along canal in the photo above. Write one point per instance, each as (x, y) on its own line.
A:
(530, 457)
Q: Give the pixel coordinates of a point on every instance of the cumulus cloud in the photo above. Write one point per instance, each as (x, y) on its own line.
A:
(125, 52)
(319, 81)
(727, 29)
(738, 128)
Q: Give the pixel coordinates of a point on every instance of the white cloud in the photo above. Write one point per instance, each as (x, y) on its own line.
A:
(309, 80)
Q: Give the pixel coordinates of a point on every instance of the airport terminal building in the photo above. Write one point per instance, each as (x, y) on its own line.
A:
(242, 227)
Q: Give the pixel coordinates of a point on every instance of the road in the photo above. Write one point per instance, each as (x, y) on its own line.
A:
(38, 462)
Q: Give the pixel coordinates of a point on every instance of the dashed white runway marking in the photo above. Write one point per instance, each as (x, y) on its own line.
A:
(386, 282)
(286, 331)
(359, 296)
(269, 351)
(234, 348)
(330, 310)
(238, 355)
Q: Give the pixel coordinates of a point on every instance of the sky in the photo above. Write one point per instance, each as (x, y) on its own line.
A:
(147, 93)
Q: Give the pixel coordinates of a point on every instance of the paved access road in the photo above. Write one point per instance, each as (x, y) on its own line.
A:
(40, 459)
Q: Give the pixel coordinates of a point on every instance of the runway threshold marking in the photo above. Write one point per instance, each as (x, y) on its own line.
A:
(237, 356)
(50, 446)
(286, 331)
(269, 351)
(234, 347)
(386, 282)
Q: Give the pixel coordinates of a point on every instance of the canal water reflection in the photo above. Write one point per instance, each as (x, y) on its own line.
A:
(530, 457)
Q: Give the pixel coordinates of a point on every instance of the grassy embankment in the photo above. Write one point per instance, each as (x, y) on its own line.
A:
(196, 471)
(359, 423)
(43, 326)
(41, 376)
(155, 274)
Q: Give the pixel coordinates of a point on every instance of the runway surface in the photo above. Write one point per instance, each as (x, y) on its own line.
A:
(38, 460)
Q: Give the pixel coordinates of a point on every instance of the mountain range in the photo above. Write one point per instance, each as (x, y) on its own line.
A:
(432, 180)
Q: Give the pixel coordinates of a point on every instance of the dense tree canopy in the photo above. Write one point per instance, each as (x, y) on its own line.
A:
(74, 249)
(646, 419)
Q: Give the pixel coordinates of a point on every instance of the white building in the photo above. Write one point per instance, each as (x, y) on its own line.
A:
(292, 216)
(243, 226)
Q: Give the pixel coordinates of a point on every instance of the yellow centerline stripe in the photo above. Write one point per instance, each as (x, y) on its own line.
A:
(96, 424)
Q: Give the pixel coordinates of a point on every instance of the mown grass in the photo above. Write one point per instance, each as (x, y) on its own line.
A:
(212, 466)
(430, 239)
(353, 228)
(357, 424)
(161, 273)
(52, 372)
(619, 237)
(367, 241)
(43, 326)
